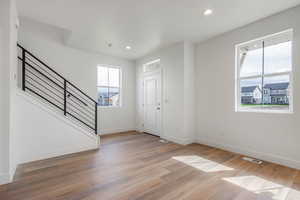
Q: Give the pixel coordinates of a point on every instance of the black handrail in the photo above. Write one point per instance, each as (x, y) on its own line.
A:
(44, 75)
(56, 73)
(38, 80)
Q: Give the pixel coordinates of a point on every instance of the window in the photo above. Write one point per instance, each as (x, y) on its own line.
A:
(264, 74)
(109, 86)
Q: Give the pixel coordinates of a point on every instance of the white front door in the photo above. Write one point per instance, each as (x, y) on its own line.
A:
(152, 104)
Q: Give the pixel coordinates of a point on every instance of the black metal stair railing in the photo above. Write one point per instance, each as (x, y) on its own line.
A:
(41, 80)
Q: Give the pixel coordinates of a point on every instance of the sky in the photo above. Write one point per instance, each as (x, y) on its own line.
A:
(277, 59)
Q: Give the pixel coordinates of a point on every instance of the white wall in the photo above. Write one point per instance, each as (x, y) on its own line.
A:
(189, 91)
(4, 94)
(8, 32)
(172, 60)
(13, 86)
(81, 68)
(273, 137)
(43, 132)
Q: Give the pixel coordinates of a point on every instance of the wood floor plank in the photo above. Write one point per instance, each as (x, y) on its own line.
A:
(136, 166)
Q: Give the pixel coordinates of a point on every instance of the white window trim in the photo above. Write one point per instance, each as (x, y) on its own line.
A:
(238, 107)
(120, 86)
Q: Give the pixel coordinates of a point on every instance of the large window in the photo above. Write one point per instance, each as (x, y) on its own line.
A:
(109, 86)
(264, 74)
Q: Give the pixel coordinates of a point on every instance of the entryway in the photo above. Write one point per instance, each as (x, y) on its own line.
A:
(152, 99)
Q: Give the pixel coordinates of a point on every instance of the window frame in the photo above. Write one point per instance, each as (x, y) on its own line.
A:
(120, 86)
(238, 79)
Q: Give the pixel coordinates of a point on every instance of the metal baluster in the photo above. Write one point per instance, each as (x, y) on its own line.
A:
(96, 118)
(65, 97)
(23, 69)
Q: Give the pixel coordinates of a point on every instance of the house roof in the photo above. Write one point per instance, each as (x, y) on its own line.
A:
(271, 86)
(277, 86)
(248, 89)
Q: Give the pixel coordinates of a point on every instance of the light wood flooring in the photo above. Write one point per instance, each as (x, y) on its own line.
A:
(138, 166)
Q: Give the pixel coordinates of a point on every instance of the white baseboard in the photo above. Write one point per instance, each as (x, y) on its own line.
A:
(5, 178)
(12, 172)
(115, 130)
(248, 152)
(59, 152)
(182, 141)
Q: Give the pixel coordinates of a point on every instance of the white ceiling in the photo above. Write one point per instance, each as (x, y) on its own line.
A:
(145, 25)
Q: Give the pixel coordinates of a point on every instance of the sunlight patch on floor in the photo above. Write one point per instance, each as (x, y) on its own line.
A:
(202, 163)
(262, 187)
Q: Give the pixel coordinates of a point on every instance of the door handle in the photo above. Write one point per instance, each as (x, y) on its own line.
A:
(158, 108)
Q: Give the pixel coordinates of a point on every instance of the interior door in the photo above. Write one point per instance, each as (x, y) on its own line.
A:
(152, 104)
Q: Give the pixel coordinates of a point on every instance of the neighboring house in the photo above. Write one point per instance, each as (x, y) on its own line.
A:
(275, 93)
(251, 95)
(111, 100)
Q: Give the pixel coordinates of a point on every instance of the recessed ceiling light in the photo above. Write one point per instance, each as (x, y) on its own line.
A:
(128, 47)
(208, 12)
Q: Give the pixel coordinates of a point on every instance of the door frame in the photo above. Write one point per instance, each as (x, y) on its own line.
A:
(145, 75)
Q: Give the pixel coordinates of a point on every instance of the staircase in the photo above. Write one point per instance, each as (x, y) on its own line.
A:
(43, 82)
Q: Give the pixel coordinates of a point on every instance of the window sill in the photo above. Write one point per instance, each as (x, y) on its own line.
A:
(265, 111)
